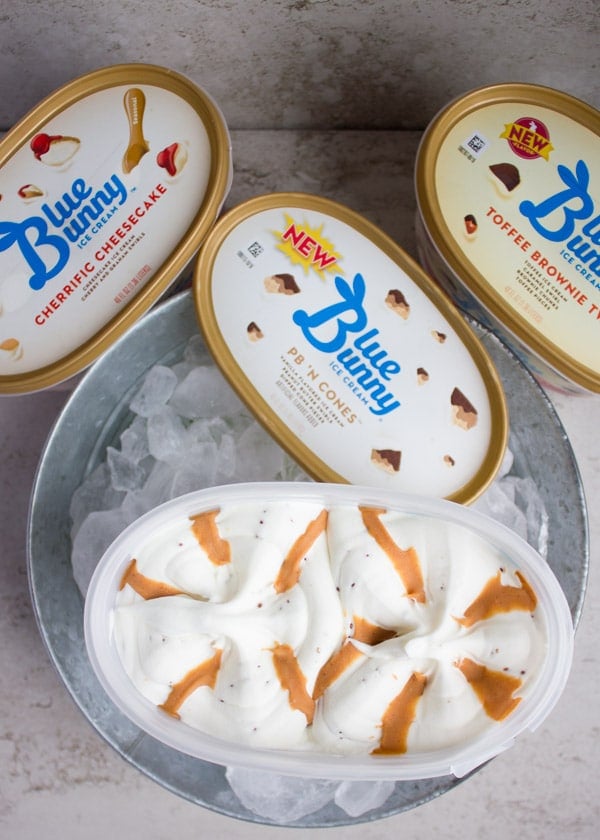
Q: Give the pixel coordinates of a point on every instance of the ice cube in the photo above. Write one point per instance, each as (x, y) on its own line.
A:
(97, 532)
(196, 352)
(134, 440)
(159, 383)
(528, 499)
(167, 438)
(258, 458)
(158, 486)
(94, 493)
(283, 799)
(226, 459)
(204, 393)
(125, 474)
(356, 798)
(198, 470)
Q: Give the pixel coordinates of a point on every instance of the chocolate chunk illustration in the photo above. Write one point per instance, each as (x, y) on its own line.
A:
(470, 224)
(464, 413)
(397, 303)
(254, 331)
(387, 459)
(422, 376)
(449, 460)
(439, 336)
(282, 284)
(507, 174)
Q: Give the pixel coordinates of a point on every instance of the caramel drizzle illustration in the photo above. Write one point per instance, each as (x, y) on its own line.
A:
(134, 103)
(289, 573)
(405, 561)
(205, 674)
(206, 531)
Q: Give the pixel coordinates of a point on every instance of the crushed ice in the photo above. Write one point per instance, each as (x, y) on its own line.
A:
(188, 431)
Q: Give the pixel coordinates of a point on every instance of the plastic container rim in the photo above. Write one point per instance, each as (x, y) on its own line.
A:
(458, 761)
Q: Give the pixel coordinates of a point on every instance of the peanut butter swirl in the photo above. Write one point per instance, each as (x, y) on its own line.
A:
(496, 598)
(203, 674)
(293, 681)
(399, 716)
(145, 586)
(206, 531)
(369, 633)
(493, 688)
(405, 561)
(289, 573)
(321, 633)
(335, 666)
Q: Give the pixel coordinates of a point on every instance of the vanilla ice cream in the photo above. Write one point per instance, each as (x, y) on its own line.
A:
(338, 628)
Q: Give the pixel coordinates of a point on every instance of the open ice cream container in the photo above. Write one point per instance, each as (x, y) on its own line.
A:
(328, 630)
(349, 355)
(507, 190)
(109, 186)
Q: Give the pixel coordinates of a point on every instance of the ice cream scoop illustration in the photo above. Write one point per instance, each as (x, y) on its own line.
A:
(134, 103)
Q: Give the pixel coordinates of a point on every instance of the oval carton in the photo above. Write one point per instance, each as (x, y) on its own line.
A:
(108, 187)
(508, 192)
(347, 352)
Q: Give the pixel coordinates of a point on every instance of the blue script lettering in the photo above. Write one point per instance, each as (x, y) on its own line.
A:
(371, 359)
(352, 300)
(577, 184)
(64, 210)
(54, 248)
(46, 253)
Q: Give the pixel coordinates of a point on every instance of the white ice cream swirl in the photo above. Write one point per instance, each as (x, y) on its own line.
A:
(350, 630)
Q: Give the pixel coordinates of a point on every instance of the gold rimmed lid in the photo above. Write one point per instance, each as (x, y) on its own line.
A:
(109, 187)
(346, 352)
(508, 190)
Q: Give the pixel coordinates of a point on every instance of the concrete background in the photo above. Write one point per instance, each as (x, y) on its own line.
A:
(329, 97)
(310, 64)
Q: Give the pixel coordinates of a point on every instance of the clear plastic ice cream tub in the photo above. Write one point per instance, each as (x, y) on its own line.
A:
(328, 631)
(507, 192)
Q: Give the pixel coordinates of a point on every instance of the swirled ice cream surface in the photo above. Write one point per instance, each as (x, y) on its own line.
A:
(345, 629)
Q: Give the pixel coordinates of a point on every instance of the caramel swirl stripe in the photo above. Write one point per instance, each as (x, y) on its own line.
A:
(335, 666)
(204, 674)
(405, 561)
(495, 598)
(289, 572)
(206, 531)
(399, 716)
(369, 633)
(494, 689)
(292, 680)
(145, 586)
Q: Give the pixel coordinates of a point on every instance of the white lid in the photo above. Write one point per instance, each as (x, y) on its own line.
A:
(108, 188)
(347, 352)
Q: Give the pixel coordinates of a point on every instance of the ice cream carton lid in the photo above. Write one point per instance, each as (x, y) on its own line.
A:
(346, 352)
(508, 189)
(108, 188)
